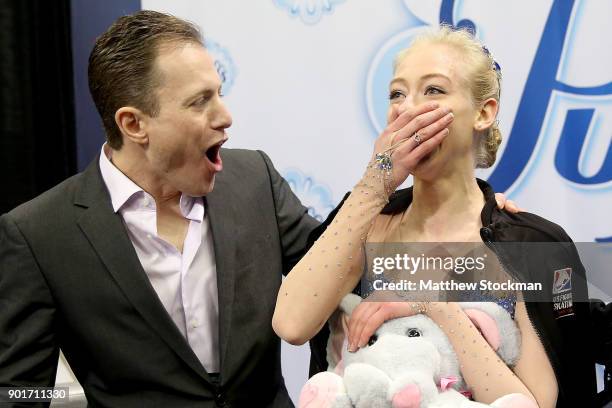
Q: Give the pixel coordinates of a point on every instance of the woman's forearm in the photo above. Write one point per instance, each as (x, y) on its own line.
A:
(332, 267)
(487, 375)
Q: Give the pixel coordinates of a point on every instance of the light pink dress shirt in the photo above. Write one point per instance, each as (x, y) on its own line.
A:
(186, 283)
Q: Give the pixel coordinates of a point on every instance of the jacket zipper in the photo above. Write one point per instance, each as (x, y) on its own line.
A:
(486, 234)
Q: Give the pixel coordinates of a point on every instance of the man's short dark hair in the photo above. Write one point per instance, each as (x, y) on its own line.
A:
(121, 70)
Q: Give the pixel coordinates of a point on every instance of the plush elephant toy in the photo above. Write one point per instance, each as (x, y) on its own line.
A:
(409, 363)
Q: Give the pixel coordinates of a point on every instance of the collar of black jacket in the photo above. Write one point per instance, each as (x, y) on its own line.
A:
(401, 199)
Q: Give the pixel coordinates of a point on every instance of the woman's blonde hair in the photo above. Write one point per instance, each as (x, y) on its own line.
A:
(483, 77)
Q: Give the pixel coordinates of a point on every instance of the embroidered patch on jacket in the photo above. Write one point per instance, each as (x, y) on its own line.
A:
(562, 293)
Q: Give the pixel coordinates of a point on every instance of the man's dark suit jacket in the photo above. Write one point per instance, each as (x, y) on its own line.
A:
(70, 279)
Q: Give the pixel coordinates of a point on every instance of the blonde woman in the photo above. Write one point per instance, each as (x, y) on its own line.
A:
(444, 100)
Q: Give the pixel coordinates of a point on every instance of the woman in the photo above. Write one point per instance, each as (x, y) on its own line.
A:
(444, 100)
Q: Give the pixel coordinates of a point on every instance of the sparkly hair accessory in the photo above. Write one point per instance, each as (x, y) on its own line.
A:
(494, 65)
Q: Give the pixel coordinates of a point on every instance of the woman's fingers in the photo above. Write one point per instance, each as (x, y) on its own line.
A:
(370, 316)
(431, 123)
(426, 126)
(400, 119)
(403, 124)
(504, 204)
(429, 145)
(411, 114)
(359, 318)
(373, 323)
(409, 154)
(433, 129)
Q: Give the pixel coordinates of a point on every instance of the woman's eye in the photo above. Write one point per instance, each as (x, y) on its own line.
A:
(394, 95)
(432, 90)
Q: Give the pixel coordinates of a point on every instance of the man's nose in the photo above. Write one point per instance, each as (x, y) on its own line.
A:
(222, 117)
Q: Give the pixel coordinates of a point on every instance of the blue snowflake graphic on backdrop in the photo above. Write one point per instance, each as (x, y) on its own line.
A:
(315, 196)
(224, 64)
(309, 11)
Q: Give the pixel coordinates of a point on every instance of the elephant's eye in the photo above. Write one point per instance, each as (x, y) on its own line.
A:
(413, 333)
(372, 340)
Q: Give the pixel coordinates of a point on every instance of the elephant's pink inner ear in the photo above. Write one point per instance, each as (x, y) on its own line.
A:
(486, 325)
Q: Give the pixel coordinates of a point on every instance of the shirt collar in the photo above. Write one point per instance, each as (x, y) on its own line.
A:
(192, 207)
(122, 189)
(119, 186)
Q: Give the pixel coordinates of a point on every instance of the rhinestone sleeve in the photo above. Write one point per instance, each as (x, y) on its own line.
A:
(333, 266)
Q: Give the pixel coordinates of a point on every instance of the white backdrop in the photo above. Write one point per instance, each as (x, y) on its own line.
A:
(306, 81)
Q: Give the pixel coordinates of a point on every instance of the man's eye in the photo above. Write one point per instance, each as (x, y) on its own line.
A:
(394, 95)
(199, 101)
(203, 99)
(433, 90)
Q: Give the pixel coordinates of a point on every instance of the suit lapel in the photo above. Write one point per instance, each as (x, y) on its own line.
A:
(220, 208)
(107, 234)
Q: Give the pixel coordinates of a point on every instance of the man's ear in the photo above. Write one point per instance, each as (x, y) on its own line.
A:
(486, 115)
(130, 122)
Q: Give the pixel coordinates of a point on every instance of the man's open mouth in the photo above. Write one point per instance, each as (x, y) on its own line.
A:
(212, 153)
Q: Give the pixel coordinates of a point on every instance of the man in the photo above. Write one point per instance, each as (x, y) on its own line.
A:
(156, 295)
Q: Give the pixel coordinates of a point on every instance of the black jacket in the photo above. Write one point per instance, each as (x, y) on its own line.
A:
(573, 343)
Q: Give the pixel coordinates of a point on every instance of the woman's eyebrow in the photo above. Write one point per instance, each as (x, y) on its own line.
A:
(401, 80)
(425, 77)
(435, 75)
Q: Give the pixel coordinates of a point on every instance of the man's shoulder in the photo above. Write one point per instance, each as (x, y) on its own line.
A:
(243, 157)
(245, 163)
(48, 204)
